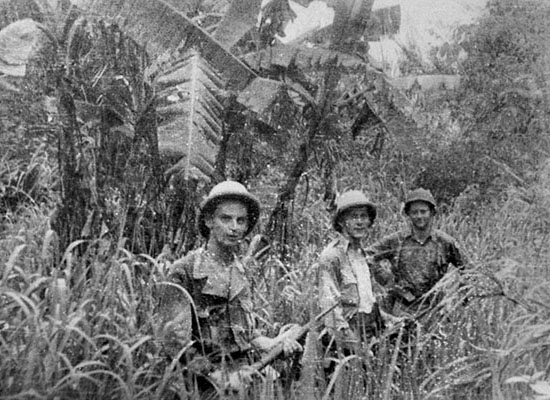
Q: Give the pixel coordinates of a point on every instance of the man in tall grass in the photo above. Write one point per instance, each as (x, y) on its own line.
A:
(219, 318)
(419, 256)
(345, 276)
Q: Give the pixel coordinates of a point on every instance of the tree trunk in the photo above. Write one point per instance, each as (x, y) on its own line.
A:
(73, 211)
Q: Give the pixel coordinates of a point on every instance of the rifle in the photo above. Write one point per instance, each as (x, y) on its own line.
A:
(277, 350)
(234, 381)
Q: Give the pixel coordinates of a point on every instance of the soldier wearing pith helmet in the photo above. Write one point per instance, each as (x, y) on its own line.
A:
(419, 256)
(223, 323)
(228, 192)
(345, 277)
(349, 200)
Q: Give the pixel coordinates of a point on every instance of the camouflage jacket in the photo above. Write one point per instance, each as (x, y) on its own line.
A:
(416, 267)
(222, 314)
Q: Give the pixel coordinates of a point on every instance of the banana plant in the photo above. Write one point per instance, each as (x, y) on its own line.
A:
(193, 64)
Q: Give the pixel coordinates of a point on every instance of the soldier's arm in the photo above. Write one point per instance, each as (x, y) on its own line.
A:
(286, 339)
(384, 248)
(175, 309)
(381, 271)
(265, 344)
(329, 289)
(455, 253)
(381, 256)
(456, 257)
(459, 256)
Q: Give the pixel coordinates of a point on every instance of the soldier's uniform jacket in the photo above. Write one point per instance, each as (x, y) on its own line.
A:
(416, 266)
(339, 281)
(221, 294)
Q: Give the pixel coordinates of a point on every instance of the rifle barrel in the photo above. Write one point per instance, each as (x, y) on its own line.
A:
(278, 349)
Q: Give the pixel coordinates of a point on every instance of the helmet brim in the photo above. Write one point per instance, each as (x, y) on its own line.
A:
(371, 209)
(208, 206)
(407, 205)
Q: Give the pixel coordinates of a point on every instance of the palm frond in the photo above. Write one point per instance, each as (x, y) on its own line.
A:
(161, 28)
(350, 20)
(428, 82)
(260, 94)
(239, 19)
(189, 108)
(303, 57)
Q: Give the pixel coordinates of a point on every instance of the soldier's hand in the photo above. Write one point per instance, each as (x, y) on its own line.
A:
(385, 272)
(289, 338)
(233, 382)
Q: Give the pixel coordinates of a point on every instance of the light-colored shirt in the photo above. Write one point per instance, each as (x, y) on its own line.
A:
(345, 277)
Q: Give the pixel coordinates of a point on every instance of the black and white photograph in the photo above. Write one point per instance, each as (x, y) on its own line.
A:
(274, 200)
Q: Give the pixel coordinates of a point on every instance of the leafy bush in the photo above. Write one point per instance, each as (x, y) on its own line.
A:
(501, 109)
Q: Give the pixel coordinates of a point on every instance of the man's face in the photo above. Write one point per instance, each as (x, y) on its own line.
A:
(228, 223)
(355, 222)
(420, 214)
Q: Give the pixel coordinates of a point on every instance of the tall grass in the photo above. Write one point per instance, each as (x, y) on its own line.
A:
(86, 328)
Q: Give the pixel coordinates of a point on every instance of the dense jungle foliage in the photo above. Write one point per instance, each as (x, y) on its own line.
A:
(128, 112)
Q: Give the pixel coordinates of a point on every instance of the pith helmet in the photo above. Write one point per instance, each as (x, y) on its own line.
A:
(348, 200)
(228, 190)
(419, 195)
